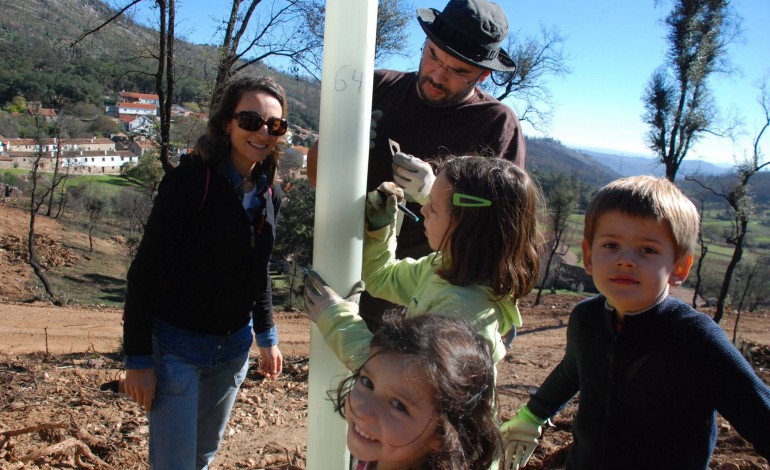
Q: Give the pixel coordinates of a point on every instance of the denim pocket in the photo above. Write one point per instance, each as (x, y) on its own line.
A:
(175, 374)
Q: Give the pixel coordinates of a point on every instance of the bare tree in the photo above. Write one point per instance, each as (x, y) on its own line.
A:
(561, 202)
(273, 34)
(59, 176)
(740, 200)
(164, 75)
(36, 200)
(537, 57)
(294, 29)
(94, 207)
(704, 249)
(283, 28)
(678, 103)
(741, 293)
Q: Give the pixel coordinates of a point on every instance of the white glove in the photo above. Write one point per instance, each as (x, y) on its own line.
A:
(319, 296)
(520, 438)
(414, 175)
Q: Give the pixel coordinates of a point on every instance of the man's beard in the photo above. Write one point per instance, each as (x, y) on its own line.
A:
(448, 99)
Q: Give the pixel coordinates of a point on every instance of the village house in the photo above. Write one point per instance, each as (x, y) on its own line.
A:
(144, 98)
(137, 112)
(100, 162)
(141, 146)
(179, 111)
(94, 155)
(136, 124)
(49, 114)
(136, 109)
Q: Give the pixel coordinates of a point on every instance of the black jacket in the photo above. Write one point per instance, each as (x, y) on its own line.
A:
(202, 265)
(648, 394)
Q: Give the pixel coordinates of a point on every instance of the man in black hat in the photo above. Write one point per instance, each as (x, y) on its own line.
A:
(439, 111)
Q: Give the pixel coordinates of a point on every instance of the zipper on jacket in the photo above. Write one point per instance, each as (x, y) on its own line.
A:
(253, 240)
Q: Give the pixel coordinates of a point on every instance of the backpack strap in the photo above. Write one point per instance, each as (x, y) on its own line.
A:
(206, 188)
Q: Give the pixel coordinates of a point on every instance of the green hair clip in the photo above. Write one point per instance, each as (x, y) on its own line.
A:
(466, 200)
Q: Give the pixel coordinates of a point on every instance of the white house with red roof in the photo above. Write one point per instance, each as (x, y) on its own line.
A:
(136, 109)
(146, 98)
(92, 155)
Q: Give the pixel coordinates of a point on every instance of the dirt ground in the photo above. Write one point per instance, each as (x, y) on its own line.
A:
(53, 413)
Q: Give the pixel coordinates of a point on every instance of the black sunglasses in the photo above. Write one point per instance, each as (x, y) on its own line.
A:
(253, 121)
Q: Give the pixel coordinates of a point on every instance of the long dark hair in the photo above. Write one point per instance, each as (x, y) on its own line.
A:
(214, 147)
(497, 245)
(447, 354)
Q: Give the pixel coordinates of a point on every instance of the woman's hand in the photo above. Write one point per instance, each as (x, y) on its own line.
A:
(270, 362)
(140, 386)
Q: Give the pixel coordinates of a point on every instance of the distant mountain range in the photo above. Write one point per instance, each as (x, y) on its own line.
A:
(625, 165)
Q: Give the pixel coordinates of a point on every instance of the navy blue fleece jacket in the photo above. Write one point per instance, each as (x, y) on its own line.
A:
(650, 392)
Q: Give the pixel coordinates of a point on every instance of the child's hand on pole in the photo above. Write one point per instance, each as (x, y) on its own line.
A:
(319, 296)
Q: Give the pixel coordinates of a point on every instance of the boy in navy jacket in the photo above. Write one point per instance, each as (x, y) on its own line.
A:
(651, 371)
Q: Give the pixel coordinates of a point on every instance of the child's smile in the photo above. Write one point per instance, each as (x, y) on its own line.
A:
(390, 414)
(632, 260)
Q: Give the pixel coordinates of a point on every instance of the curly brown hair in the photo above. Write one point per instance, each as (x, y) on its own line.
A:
(447, 354)
(498, 245)
(214, 147)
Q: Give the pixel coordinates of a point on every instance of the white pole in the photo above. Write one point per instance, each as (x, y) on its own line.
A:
(346, 105)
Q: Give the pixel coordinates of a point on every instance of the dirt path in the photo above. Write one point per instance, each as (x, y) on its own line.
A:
(30, 328)
(269, 419)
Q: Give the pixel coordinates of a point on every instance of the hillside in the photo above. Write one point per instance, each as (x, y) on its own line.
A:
(548, 155)
(40, 64)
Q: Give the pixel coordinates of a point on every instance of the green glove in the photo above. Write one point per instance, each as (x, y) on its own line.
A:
(381, 205)
(520, 438)
(319, 296)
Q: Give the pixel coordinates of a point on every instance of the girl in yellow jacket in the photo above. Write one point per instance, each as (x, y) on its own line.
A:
(481, 223)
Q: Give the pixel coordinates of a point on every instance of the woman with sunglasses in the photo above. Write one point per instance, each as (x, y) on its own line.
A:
(199, 283)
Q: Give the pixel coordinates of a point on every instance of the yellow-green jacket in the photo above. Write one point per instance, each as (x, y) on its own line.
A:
(413, 283)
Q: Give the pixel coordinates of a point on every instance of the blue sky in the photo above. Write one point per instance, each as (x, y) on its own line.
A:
(614, 46)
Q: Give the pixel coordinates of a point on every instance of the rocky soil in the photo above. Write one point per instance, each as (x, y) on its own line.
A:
(56, 413)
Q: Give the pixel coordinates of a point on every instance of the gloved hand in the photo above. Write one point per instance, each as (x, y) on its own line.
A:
(376, 116)
(520, 438)
(414, 175)
(319, 296)
(381, 208)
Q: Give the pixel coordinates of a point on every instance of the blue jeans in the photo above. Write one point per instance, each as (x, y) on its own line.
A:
(193, 400)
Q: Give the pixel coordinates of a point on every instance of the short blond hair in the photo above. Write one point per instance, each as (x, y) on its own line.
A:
(648, 196)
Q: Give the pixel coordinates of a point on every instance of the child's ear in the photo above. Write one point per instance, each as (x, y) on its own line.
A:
(587, 257)
(681, 270)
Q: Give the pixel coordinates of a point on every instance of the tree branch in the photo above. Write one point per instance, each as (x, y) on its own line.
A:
(110, 20)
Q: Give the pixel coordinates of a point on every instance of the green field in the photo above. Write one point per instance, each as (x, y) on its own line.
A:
(719, 251)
